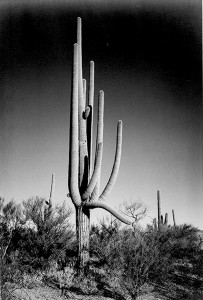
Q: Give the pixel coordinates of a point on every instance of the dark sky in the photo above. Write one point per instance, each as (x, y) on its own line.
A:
(148, 62)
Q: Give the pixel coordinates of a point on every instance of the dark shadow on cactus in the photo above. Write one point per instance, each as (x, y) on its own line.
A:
(84, 182)
(89, 131)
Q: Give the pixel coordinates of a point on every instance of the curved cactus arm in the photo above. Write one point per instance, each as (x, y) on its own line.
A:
(74, 157)
(116, 164)
(115, 213)
(99, 139)
(95, 174)
(52, 191)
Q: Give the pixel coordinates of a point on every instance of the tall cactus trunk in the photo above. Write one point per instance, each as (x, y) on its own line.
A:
(82, 213)
(83, 236)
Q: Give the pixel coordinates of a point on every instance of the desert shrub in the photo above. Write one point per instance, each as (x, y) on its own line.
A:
(104, 242)
(32, 280)
(68, 279)
(86, 285)
(63, 278)
(48, 239)
(25, 251)
(11, 270)
(141, 258)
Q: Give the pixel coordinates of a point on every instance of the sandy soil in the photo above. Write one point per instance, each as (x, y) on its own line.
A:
(49, 293)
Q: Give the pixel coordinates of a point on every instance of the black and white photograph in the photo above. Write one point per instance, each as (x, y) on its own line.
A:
(101, 155)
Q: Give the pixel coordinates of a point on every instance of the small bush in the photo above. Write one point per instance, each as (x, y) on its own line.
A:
(85, 284)
(31, 281)
(63, 278)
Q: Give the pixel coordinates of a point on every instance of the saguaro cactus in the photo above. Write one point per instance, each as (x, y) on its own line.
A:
(52, 190)
(166, 219)
(161, 220)
(84, 179)
(155, 223)
(159, 209)
(46, 211)
(174, 220)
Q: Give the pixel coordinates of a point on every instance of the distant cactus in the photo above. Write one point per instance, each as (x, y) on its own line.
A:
(47, 211)
(51, 197)
(159, 209)
(155, 223)
(174, 221)
(161, 220)
(84, 179)
(166, 220)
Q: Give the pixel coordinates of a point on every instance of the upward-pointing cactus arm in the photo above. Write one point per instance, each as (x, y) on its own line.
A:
(99, 139)
(90, 118)
(100, 120)
(80, 76)
(116, 164)
(95, 174)
(84, 90)
(83, 154)
(73, 160)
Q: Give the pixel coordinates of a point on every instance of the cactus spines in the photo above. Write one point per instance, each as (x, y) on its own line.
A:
(174, 220)
(84, 177)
